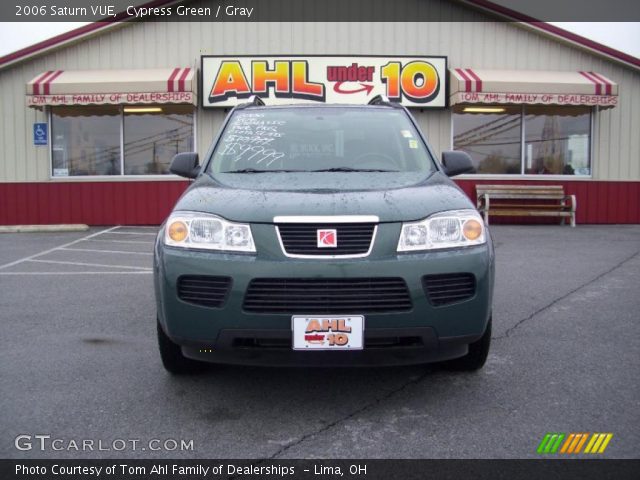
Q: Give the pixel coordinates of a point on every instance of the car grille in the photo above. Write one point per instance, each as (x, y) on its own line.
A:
(204, 290)
(301, 238)
(327, 295)
(449, 288)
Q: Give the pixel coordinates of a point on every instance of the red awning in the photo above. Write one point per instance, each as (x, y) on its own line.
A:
(97, 87)
(533, 87)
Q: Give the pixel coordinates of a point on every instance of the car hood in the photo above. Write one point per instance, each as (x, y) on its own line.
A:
(263, 196)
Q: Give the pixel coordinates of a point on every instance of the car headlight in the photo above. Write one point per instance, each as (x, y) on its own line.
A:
(199, 230)
(456, 228)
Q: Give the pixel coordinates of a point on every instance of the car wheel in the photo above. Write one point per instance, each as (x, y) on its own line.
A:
(477, 355)
(173, 359)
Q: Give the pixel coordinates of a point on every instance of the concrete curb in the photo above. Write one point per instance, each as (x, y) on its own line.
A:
(70, 227)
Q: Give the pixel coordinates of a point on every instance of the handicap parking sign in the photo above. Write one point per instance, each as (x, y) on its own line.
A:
(40, 134)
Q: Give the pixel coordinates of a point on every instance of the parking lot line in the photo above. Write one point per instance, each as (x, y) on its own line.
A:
(118, 241)
(103, 251)
(30, 257)
(82, 264)
(134, 233)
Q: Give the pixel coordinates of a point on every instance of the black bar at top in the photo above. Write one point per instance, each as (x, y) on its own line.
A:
(320, 10)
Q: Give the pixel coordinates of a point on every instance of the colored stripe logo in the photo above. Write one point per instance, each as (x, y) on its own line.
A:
(598, 443)
(550, 443)
(573, 443)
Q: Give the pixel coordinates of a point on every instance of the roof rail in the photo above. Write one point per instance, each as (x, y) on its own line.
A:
(253, 101)
(382, 100)
(256, 100)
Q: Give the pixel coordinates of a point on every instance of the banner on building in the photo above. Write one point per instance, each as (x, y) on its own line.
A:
(412, 81)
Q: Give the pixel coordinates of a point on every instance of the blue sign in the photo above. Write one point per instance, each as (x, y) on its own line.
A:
(40, 134)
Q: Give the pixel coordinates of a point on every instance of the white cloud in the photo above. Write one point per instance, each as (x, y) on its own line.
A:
(623, 36)
(17, 35)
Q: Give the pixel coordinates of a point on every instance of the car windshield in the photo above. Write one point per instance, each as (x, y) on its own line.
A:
(320, 139)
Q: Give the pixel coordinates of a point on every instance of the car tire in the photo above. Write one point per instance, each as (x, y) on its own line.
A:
(172, 358)
(477, 355)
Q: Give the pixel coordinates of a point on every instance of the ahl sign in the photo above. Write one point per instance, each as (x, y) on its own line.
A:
(412, 81)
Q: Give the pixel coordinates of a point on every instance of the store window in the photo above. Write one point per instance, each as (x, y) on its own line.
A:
(88, 140)
(85, 141)
(153, 135)
(492, 136)
(538, 140)
(557, 140)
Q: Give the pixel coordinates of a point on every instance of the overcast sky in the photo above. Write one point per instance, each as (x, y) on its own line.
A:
(621, 36)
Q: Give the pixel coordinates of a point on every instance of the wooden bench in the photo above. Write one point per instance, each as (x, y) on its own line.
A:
(526, 200)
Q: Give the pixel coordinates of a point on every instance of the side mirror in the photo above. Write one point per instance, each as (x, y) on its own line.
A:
(456, 162)
(185, 165)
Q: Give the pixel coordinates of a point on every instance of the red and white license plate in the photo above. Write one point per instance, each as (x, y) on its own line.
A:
(328, 333)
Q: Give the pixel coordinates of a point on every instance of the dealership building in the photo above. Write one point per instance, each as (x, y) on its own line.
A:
(91, 119)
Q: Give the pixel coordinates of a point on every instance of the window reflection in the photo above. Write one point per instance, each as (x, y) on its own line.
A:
(557, 140)
(85, 140)
(492, 139)
(153, 135)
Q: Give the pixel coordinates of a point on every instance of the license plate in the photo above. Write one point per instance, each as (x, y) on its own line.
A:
(328, 333)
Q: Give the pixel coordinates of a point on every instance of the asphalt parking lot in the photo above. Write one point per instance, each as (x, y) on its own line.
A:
(78, 361)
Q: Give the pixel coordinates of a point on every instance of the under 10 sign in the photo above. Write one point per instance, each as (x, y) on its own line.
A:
(412, 81)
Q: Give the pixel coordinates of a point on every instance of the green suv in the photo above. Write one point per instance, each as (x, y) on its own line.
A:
(326, 235)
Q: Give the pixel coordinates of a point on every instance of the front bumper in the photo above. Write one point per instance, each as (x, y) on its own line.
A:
(426, 333)
(272, 347)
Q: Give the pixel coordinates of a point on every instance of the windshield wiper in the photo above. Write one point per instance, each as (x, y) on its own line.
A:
(334, 169)
(349, 169)
(255, 170)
